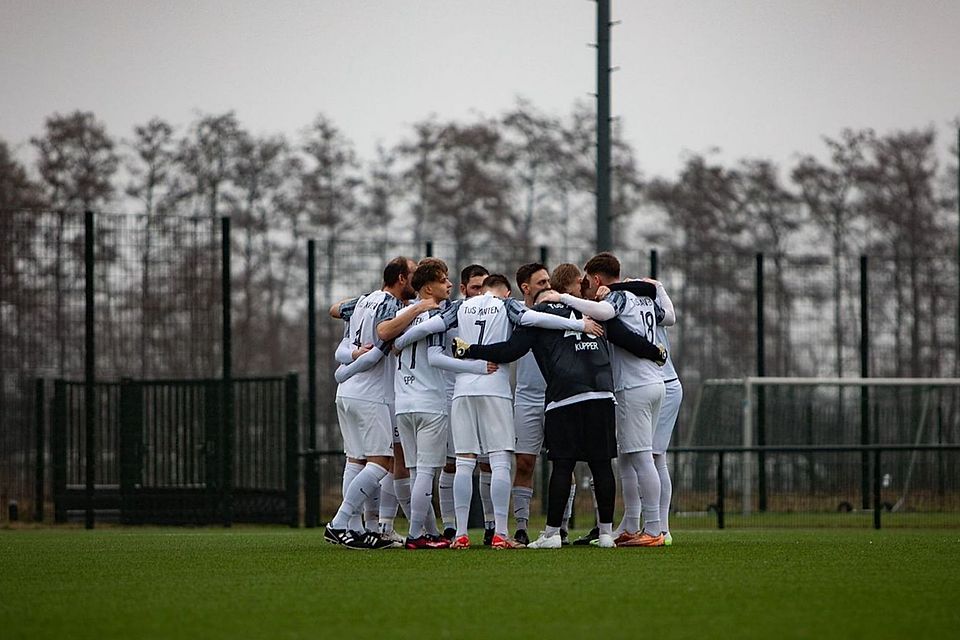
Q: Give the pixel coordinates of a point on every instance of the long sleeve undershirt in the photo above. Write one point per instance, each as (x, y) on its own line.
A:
(437, 358)
(597, 310)
(364, 362)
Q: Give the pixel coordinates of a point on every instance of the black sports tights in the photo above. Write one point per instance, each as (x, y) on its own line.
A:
(604, 486)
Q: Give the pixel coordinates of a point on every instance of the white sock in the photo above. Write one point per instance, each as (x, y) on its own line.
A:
(388, 504)
(463, 492)
(549, 532)
(371, 510)
(649, 481)
(401, 488)
(486, 500)
(521, 506)
(568, 510)
(500, 490)
(605, 528)
(447, 513)
(666, 490)
(350, 471)
(430, 524)
(421, 501)
(362, 487)
(630, 489)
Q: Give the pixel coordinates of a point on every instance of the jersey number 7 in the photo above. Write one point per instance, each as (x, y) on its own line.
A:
(483, 325)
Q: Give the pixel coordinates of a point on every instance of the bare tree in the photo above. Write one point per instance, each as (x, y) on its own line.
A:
(76, 161)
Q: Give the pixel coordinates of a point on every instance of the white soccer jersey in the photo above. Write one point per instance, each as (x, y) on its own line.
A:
(420, 387)
(486, 319)
(531, 387)
(638, 314)
(376, 383)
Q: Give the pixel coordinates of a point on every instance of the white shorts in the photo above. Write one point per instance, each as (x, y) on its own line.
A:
(424, 438)
(366, 428)
(482, 424)
(528, 424)
(638, 409)
(669, 410)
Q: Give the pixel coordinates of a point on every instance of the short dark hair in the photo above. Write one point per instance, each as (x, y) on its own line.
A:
(563, 276)
(472, 271)
(395, 269)
(496, 280)
(605, 264)
(526, 271)
(430, 270)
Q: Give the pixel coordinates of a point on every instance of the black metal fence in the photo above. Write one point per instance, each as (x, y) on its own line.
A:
(163, 455)
(160, 313)
(816, 485)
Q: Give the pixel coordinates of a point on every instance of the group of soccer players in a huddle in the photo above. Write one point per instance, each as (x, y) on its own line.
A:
(424, 396)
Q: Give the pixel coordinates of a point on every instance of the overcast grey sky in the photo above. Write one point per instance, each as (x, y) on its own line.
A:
(751, 77)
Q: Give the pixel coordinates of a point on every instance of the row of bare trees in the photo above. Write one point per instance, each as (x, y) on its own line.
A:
(498, 187)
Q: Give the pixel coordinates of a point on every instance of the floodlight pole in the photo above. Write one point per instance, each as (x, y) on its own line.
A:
(604, 240)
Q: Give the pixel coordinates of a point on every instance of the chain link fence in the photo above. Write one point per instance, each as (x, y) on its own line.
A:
(159, 315)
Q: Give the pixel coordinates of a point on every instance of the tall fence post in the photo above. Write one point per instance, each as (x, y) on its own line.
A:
(90, 397)
(58, 449)
(720, 491)
(226, 415)
(40, 419)
(761, 392)
(292, 441)
(544, 255)
(311, 516)
(428, 248)
(876, 488)
(653, 263)
(864, 390)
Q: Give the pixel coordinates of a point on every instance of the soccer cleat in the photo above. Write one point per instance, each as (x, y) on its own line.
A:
(392, 536)
(624, 537)
(604, 541)
(425, 542)
(337, 536)
(546, 542)
(521, 536)
(459, 348)
(487, 537)
(440, 541)
(499, 542)
(643, 540)
(463, 542)
(667, 539)
(564, 537)
(449, 533)
(371, 541)
(587, 538)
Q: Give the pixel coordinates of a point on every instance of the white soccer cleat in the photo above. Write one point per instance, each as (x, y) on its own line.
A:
(546, 542)
(394, 538)
(605, 541)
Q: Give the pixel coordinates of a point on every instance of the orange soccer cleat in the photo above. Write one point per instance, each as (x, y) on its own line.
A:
(499, 542)
(643, 540)
(461, 542)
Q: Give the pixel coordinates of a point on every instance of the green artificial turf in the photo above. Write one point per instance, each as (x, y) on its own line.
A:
(284, 583)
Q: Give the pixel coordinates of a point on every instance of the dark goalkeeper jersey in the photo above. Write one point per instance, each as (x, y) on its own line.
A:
(572, 363)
